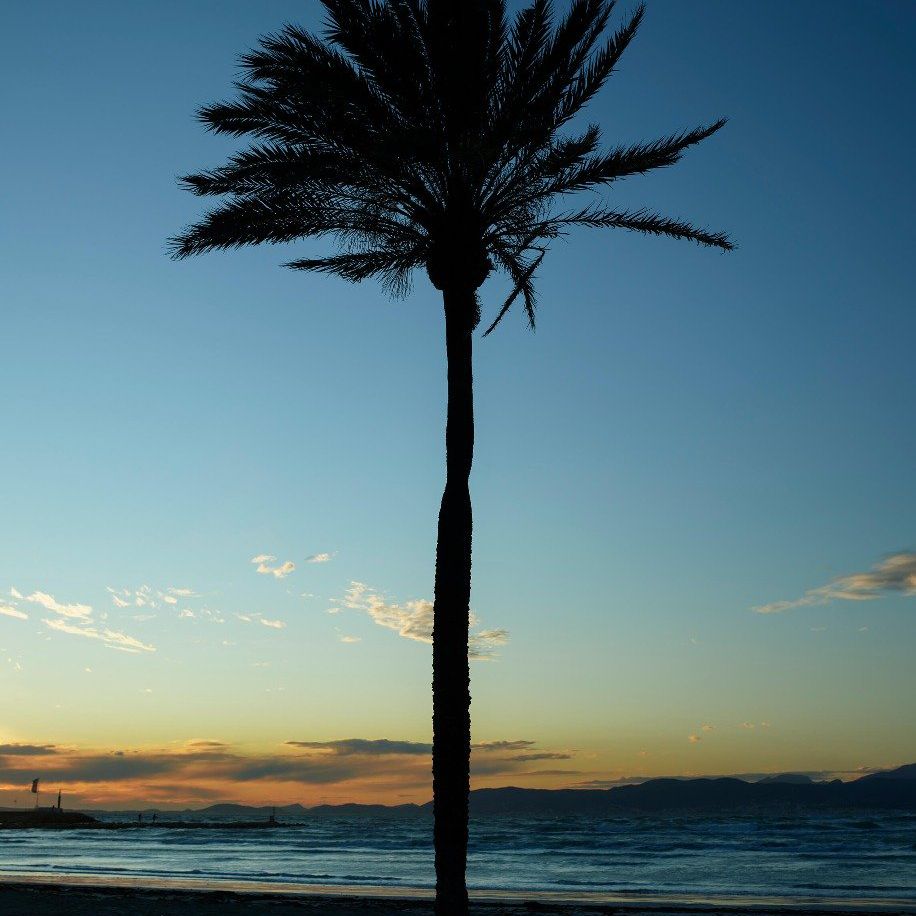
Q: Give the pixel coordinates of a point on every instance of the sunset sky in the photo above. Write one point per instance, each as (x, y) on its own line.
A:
(694, 489)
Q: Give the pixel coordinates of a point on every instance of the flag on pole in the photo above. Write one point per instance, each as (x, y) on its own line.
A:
(35, 786)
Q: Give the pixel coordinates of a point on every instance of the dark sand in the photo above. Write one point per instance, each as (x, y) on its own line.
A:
(69, 895)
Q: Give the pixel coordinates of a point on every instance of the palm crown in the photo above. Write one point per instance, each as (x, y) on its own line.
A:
(428, 134)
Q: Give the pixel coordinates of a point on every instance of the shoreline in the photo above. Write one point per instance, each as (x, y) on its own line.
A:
(89, 894)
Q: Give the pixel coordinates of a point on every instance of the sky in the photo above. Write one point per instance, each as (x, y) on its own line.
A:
(693, 485)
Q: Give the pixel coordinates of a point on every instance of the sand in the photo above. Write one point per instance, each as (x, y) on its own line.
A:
(79, 895)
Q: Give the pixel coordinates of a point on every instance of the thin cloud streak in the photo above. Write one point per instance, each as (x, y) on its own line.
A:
(50, 603)
(8, 611)
(895, 574)
(111, 638)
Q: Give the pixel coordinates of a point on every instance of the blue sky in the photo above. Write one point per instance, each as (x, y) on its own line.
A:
(688, 434)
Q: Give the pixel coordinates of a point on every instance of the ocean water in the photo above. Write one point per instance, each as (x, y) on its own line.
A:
(855, 854)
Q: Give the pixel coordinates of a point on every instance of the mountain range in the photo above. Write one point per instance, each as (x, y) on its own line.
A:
(886, 789)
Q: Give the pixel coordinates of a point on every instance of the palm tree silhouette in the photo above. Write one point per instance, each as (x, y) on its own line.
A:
(431, 134)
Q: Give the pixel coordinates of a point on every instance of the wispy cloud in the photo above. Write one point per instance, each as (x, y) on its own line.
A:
(263, 562)
(50, 603)
(412, 619)
(111, 638)
(8, 611)
(502, 745)
(264, 621)
(75, 620)
(358, 747)
(27, 750)
(148, 597)
(542, 755)
(694, 739)
(350, 639)
(895, 574)
(320, 558)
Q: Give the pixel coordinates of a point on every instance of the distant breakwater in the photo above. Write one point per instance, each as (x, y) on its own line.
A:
(74, 820)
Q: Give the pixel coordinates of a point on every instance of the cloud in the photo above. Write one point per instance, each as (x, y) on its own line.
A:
(182, 773)
(186, 613)
(894, 574)
(365, 747)
(494, 760)
(708, 728)
(412, 619)
(350, 639)
(257, 618)
(26, 750)
(143, 597)
(527, 758)
(146, 596)
(482, 644)
(110, 638)
(502, 745)
(50, 603)
(694, 739)
(263, 561)
(320, 558)
(8, 611)
(746, 725)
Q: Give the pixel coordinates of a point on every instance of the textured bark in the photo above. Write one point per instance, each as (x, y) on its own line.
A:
(451, 673)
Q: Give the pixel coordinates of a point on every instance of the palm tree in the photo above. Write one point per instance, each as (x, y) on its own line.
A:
(433, 134)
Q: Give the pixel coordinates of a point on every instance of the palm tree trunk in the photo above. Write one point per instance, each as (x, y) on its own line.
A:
(451, 616)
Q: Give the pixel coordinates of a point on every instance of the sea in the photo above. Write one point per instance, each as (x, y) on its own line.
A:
(855, 854)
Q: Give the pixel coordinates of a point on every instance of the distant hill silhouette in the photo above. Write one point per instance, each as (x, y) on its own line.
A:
(890, 789)
(907, 771)
(798, 778)
(886, 789)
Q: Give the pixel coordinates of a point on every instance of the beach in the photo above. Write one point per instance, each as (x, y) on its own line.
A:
(78, 895)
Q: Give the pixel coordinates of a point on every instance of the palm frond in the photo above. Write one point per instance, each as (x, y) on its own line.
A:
(624, 161)
(522, 275)
(595, 72)
(391, 267)
(645, 221)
